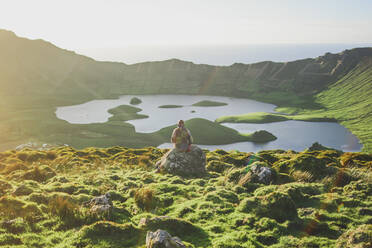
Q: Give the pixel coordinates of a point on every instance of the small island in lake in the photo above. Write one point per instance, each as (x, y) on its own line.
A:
(207, 103)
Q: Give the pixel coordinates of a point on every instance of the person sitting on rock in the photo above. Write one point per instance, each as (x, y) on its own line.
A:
(181, 137)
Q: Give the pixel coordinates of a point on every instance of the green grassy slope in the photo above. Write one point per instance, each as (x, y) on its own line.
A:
(42, 195)
(206, 132)
(125, 113)
(207, 103)
(349, 100)
(36, 76)
(262, 117)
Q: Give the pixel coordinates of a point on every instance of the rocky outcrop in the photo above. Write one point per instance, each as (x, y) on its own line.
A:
(190, 163)
(162, 239)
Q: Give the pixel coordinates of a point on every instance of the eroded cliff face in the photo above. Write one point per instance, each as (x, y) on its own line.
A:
(303, 77)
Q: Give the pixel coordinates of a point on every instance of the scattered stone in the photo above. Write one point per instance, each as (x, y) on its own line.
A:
(190, 163)
(100, 204)
(162, 239)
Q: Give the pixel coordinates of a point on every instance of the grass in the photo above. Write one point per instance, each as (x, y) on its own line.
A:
(262, 117)
(170, 106)
(334, 86)
(125, 113)
(207, 103)
(209, 133)
(135, 101)
(221, 209)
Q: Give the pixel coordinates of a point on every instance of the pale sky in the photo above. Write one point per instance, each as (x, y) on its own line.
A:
(88, 24)
(115, 23)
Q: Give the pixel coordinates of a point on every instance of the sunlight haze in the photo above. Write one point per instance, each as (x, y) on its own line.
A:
(132, 31)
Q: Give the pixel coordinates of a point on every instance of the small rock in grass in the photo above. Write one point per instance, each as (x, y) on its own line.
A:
(162, 239)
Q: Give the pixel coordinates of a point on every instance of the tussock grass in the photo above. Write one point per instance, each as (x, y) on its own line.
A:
(317, 196)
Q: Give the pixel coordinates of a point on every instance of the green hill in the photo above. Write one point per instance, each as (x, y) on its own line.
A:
(45, 199)
(36, 76)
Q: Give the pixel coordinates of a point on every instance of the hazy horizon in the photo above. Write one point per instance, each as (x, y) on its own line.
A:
(223, 55)
(112, 24)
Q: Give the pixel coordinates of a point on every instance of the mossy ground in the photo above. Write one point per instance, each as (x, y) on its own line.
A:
(318, 199)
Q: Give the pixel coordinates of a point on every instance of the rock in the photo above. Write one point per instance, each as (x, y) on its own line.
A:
(259, 172)
(162, 239)
(263, 174)
(100, 204)
(190, 163)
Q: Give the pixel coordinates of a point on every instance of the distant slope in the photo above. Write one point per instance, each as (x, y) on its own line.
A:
(349, 100)
(36, 76)
(40, 68)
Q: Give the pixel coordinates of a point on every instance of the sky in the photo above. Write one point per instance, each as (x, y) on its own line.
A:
(99, 24)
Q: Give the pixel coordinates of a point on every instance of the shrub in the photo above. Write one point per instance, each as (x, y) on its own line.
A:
(63, 207)
(145, 198)
(39, 173)
(302, 176)
(11, 207)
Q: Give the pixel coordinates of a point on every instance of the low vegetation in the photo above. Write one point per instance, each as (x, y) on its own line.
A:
(170, 106)
(135, 101)
(319, 198)
(125, 113)
(262, 117)
(211, 133)
(207, 103)
(332, 86)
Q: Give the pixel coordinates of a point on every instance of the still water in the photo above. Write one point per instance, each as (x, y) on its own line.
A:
(295, 135)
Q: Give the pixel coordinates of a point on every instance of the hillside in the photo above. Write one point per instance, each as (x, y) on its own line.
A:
(36, 76)
(45, 199)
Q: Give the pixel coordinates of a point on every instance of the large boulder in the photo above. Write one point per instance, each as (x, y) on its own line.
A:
(190, 163)
(162, 239)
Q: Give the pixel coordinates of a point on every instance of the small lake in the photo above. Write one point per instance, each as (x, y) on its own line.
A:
(295, 135)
